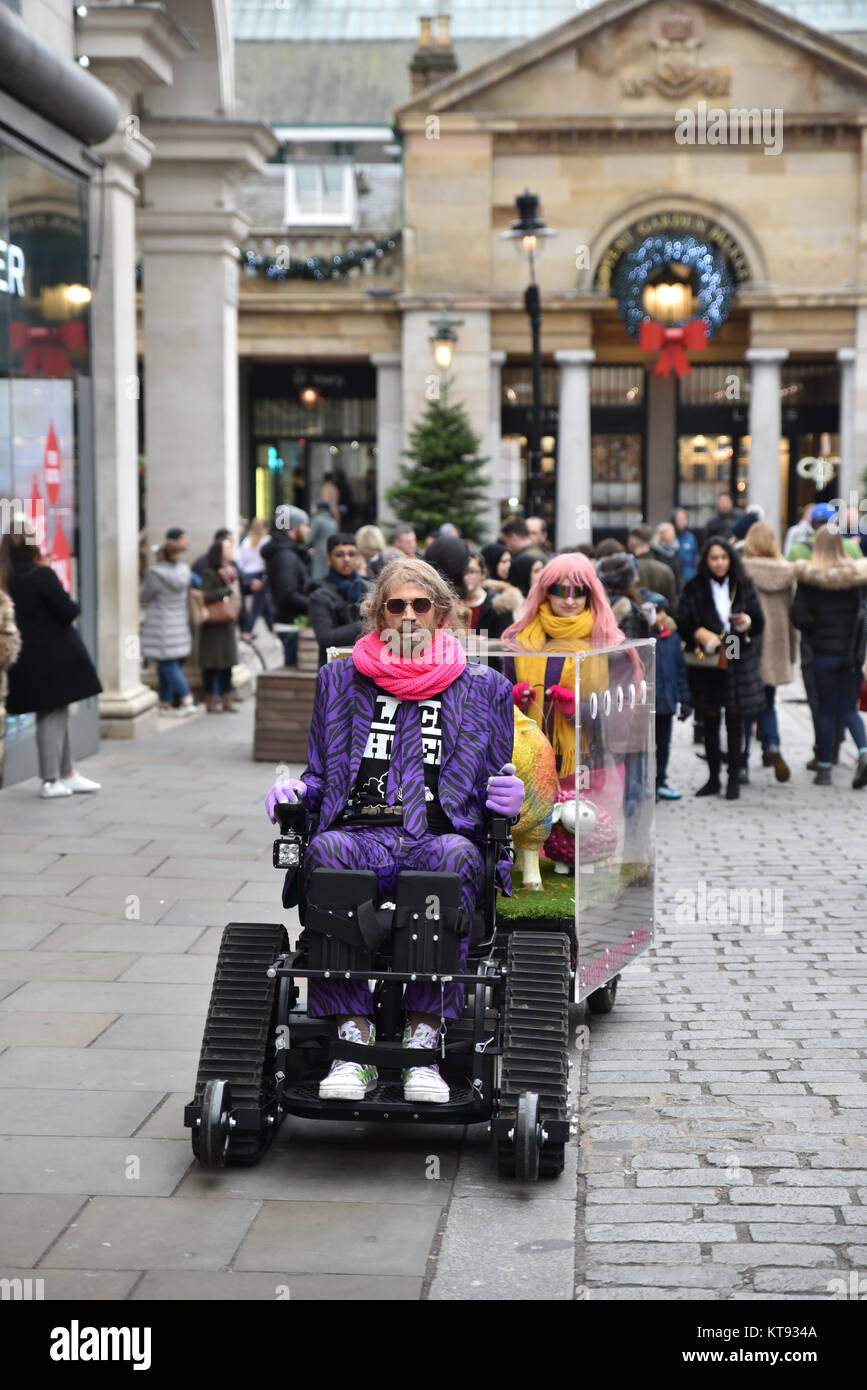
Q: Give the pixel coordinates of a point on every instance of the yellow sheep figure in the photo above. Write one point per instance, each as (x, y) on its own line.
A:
(533, 757)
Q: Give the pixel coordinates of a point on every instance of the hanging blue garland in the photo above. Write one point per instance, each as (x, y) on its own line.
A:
(711, 275)
(284, 267)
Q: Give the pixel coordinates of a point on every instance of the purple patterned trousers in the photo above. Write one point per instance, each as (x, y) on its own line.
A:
(385, 852)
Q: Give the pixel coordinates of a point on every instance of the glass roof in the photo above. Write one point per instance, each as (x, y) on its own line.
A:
(318, 21)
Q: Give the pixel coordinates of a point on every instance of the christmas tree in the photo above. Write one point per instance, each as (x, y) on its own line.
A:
(444, 482)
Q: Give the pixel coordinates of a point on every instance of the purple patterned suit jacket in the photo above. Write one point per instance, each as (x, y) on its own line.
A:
(477, 740)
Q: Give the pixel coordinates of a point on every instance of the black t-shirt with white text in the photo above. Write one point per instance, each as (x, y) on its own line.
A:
(368, 804)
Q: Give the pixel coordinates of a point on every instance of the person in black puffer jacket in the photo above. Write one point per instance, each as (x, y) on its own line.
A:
(720, 609)
(287, 563)
(830, 608)
(334, 612)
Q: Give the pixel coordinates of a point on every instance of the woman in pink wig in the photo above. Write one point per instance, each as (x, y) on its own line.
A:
(568, 610)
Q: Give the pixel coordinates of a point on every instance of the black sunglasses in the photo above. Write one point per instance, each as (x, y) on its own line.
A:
(418, 605)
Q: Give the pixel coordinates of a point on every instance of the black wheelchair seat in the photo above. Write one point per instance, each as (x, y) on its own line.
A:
(346, 928)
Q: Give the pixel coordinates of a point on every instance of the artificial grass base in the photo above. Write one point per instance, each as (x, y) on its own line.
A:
(606, 882)
(557, 898)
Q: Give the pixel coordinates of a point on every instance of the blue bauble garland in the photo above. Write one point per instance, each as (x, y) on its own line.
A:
(715, 286)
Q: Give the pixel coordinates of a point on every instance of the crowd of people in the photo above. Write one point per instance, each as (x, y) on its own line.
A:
(729, 607)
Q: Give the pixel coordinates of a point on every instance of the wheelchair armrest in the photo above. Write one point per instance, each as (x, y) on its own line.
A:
(498, 829)
(291, 815)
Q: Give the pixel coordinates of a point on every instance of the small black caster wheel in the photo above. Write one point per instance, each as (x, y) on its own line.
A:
(214, 1133)
(528, 1137)
(601, 1001)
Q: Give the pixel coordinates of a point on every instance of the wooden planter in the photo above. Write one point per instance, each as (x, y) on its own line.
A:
(308, 650)
(284, 709)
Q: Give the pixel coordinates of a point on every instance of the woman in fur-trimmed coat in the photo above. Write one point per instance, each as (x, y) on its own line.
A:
(493, 603)
(10, 646)
(775, 582)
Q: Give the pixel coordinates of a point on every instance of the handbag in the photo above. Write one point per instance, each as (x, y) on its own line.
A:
(223, 610)
(715, 661)
(195, 607)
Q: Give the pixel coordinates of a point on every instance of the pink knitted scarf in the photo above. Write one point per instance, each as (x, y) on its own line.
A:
(410, 678)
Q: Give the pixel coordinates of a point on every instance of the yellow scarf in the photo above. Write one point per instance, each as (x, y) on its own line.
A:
(575, 634)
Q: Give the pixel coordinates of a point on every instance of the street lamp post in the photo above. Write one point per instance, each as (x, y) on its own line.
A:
(443, 342)
(528, 232)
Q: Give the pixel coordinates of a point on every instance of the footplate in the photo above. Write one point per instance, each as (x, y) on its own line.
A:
(386, 1102)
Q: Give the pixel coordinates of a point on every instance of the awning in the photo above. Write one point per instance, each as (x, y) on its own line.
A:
(60, 90)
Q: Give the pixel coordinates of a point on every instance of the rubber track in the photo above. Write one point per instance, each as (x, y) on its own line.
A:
(536, 1034)
(237, 1037)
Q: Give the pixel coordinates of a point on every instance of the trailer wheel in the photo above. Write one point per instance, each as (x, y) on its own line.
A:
(534, 1074)
(601, 1001)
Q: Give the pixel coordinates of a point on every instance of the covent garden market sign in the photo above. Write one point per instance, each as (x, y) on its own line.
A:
(693, 224)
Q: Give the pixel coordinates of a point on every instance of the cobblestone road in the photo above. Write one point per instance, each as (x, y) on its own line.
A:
(724, 1100)
(723, 1133)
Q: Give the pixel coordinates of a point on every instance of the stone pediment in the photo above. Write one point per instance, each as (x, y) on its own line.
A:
(626, 57)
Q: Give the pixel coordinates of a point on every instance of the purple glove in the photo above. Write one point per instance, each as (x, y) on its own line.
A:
(290, 790)
(505, 792)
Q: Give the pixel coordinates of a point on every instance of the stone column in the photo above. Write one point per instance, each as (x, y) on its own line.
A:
(766, 427)
(130, 48)
(660, 450)
(189, 228)
(847, 479)
(389, 430)
(494, 499)
(127, 707)
(574, 516)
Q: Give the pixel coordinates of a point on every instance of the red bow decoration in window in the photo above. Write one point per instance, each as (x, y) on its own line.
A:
(47, 347)
(672, 341)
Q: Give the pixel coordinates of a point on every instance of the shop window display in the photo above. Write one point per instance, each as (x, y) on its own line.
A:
(44, 370)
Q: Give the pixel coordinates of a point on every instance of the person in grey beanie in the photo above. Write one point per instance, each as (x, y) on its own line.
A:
(619, 575)
(322, 527)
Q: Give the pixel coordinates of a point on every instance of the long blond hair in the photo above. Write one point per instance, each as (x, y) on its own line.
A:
(370, 541)
(761, 542)
(828, 552)
(259, 527)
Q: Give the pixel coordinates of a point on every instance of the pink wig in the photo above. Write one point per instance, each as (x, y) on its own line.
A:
(572, 568)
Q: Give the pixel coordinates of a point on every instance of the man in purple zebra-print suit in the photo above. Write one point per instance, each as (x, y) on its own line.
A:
(406, 756)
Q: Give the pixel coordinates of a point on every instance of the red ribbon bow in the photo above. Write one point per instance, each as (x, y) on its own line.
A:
(672, 341)
(46, 347)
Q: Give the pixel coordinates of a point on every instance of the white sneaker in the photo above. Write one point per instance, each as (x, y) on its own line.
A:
(423, 1083)
(349, 1080)
(58, 788)
(183, 711)
(77, 783)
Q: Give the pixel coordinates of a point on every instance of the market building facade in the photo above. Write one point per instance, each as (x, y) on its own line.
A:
(702, 165)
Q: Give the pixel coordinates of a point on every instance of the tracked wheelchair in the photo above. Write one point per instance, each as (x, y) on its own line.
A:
(505, 1059)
